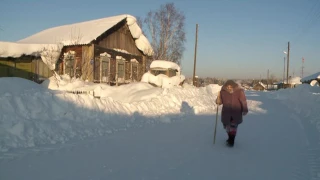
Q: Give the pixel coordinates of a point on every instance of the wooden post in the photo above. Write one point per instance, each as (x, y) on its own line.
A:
(284, 68)
(195, 56)
(288, 56)
(268, 79)
(215, 126)
(302, 67)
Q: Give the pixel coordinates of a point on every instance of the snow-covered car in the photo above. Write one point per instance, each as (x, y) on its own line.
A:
(164, 74)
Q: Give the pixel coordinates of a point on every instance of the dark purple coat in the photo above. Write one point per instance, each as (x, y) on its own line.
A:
(234, 104)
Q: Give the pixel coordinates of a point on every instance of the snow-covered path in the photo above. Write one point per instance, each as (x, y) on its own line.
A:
(269, 146)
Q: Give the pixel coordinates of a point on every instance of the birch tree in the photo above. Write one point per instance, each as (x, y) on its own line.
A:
(165, 29)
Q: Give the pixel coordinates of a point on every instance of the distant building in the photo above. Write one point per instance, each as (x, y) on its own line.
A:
(259, 86)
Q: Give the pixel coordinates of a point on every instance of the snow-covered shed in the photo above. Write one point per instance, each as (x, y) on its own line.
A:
(112, 49)
(23, 60)
(313, 79)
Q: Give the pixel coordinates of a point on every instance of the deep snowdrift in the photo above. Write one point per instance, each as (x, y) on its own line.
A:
(305, 101)
(32, 115)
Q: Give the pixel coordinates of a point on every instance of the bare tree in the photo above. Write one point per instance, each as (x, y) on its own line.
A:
(50, 55)
(140, 24)
(75, 36)
(165, 27)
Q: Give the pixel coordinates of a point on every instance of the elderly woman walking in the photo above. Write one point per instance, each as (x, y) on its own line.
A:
(234, 103)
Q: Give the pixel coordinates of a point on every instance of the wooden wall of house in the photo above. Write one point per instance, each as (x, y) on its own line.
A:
(119, 37)
(99, 50)
(41, 69)
(113, 68)
(87, 64)
(27, 67)
(78, 57)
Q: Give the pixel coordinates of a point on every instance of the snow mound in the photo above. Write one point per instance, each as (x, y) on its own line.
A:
(17, 86)
(162, 80)
(66, 83)
(314, 83)
(304, 100)
(31, 115)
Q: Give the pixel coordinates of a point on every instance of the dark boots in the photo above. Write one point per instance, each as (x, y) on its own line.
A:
(230, 141)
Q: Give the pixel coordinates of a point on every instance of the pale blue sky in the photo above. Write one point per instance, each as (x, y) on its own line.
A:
(237, 38)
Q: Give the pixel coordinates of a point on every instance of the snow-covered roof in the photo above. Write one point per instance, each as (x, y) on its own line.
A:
(164, 64)
(263, 85)
(49, 53)
(11, 49)
(86, 32)
(311, 77)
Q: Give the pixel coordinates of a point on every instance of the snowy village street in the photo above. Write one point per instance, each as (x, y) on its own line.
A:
(159, 90)
(271, 144)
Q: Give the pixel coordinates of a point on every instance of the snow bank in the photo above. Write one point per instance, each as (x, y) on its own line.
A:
(32, 115)
(304, 100)
(314, 83)
(162, 80)
(65, 83)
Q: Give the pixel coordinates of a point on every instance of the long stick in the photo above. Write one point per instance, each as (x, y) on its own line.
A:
(215, 127)
(195, 57)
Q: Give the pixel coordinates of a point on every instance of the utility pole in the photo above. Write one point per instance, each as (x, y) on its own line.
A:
(302, 67)
(268, 79)
(284, 68)
(195, 57)
(288, 58)
(260, 78)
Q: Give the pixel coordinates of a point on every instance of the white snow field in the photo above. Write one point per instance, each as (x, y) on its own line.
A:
(138, 132)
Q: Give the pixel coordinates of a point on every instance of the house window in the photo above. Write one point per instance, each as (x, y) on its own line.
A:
(69, 61)
(104, 68)
(120, 77)
(134, 70)
(121, 69)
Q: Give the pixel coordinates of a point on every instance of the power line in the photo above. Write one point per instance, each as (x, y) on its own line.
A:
(312, 17)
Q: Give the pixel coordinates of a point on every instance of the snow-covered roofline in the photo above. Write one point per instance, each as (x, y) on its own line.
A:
(311, 77)
(263, 85)
(88, 31)
(49, 53)
(164, 64)
(11, 49)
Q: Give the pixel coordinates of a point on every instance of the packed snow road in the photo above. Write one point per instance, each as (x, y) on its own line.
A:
(271, 145)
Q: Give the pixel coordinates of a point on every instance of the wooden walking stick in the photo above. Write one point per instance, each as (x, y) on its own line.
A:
(215, 127)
